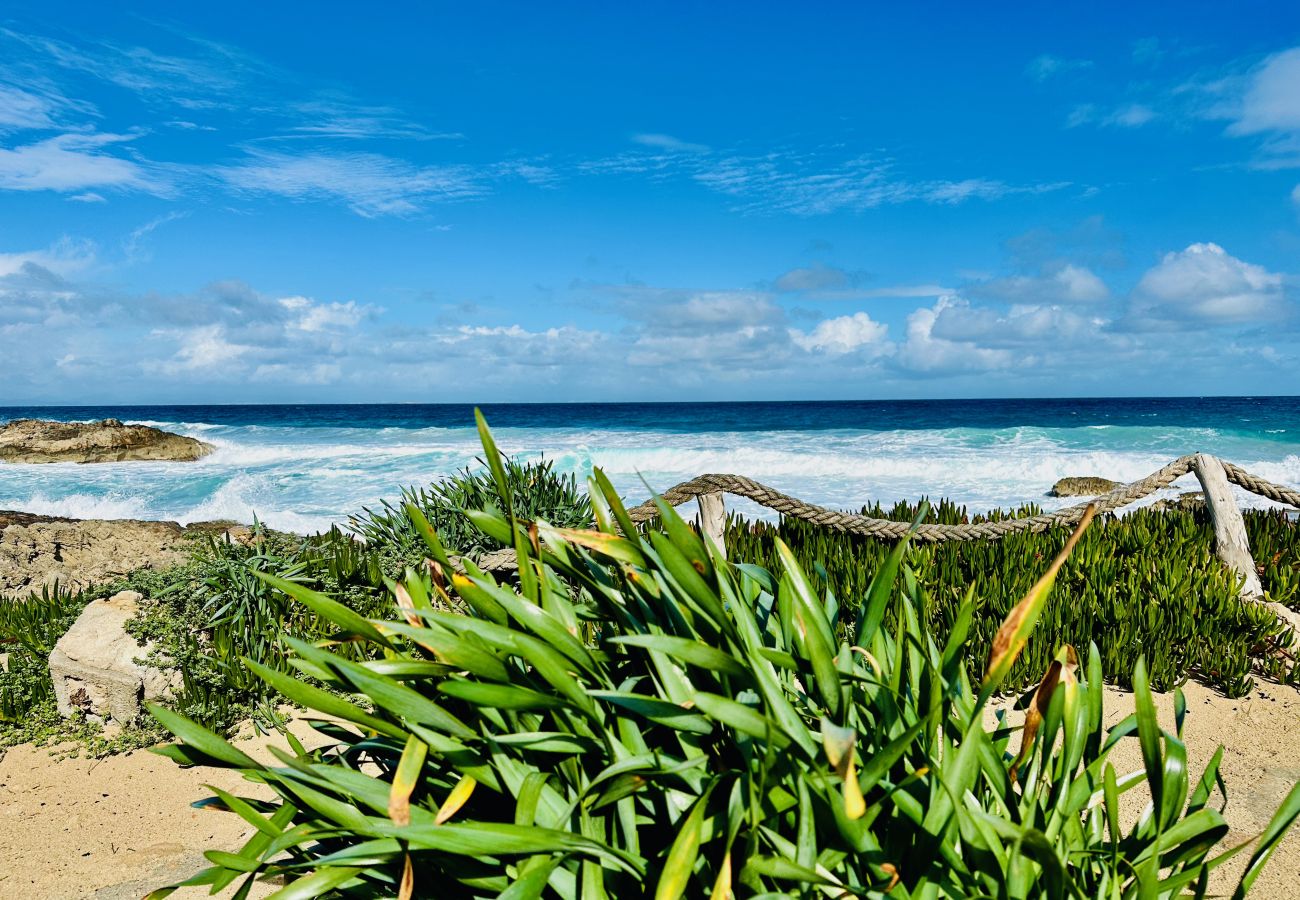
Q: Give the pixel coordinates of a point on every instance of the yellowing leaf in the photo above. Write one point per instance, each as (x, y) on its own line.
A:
(458, 797)
(1014, 633)
(405, 779)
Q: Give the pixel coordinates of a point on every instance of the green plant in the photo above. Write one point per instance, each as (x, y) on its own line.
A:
(690, 727)
(536, 490)
(1144, 585)
(29, 629)
(208, 615)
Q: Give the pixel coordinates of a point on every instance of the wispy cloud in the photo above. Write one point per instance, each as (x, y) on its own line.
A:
(669, 143)
(338, 116)
(807, 184)
(368, 183)
(210, 77)
(1047, 65)
(133, 245)
(1127, 115)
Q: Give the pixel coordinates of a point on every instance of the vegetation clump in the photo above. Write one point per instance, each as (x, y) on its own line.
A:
(1146, 584)
(537, 492)
(638, 716)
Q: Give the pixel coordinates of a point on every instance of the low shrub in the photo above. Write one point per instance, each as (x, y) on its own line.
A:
(690, 727)
(208, 615)
(1146, 584)
(537, 491)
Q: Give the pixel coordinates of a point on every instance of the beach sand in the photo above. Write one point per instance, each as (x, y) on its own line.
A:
(114, 829)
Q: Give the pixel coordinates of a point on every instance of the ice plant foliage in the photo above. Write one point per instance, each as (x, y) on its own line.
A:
(636, 716)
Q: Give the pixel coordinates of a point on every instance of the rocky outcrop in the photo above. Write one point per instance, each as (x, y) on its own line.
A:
(1082, 486)
(1188, 501)
(38, 550)
(39, 441)
(94, 669)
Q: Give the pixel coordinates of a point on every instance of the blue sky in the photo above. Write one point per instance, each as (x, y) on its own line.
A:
(493, 201)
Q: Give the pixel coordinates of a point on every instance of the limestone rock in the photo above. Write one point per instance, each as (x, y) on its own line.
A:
(39, 441)
(1188, 501)
(93, 665)
(1082, 486)
(35, 551)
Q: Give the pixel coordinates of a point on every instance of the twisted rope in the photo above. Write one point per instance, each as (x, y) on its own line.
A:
(889, 529)
(892, 530)
(1264, 488)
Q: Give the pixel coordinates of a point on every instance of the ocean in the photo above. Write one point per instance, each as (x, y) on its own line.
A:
(303, 468)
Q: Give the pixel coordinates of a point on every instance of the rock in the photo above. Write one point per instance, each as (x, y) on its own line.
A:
(39, 441)
(1082, 486)
(1188, 501)
(37, 551)
(93, 665)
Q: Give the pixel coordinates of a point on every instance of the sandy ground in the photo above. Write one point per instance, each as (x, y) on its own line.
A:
(117, 828)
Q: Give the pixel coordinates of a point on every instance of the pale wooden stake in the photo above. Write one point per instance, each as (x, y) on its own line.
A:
(1230, 541)
(713, 519)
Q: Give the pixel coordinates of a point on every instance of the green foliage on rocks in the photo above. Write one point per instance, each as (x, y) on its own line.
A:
(637, 716)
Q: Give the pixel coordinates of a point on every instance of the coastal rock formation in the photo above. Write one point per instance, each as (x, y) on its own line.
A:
(38, 550)
(94, 669)
(39, 441)
(1082, 486)
(1188, 501)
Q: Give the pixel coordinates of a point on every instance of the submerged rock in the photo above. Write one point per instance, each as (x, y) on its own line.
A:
(39, 441)
(1082, 486)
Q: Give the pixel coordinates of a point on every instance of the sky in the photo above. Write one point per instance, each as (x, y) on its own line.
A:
(661, 201)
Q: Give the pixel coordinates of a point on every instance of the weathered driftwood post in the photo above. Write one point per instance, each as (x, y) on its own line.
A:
(713, 519)
(1230, 541)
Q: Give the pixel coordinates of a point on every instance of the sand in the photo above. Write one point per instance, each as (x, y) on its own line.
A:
(116, 828)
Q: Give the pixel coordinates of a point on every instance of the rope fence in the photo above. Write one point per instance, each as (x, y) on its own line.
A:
(1230, 531)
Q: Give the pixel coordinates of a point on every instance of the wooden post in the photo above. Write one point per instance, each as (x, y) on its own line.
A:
(1230, 541)
(713, 519)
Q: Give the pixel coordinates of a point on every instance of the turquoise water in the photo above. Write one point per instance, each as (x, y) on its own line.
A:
(305, 467)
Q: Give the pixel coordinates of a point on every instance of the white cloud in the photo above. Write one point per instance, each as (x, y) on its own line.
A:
(1028, 329)
(1043, 67)
(669, 143)
(1271, 101)
(807, 184)
(75, 162)
(63, 258)
(925, 353)
(1059, 283)
(856, 333)
(317, 317)
(1205, 284)
(205, 350)
(20, 109)
(1131, 115)
(812, 278)
(1128, 115)
(369, 183)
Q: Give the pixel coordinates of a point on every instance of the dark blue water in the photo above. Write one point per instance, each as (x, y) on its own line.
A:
(1261, 415)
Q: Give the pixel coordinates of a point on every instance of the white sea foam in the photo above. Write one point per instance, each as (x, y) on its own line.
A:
(84, 506)
(304, 479)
